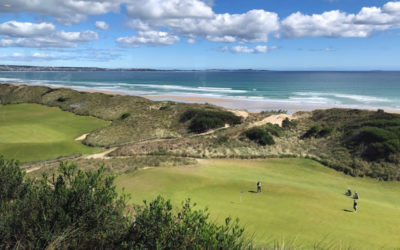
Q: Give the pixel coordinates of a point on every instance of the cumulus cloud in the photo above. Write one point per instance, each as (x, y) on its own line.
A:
(102, 25)
(191, 19)
(340, 24)
(168, 9)
(31, 35)
(25, 29)
(64, 11)
(154, 38)
(191, 41)
(260, 49)
(252, 26)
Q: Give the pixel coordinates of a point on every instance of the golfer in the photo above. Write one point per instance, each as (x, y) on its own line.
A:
(258, 187)
(355, 204)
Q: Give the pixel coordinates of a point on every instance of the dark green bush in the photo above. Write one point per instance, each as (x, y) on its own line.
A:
(203, 124)
(124, 116)
(288, 124)
(75, 209)
(156, 226)
(379, 143)
(12, 184)
(203, 120)
(82, 210)
(222, 139)
(311, 132)
(259, 136)
(273, 129)
(325, 131)
(371, 134)
(62, 99)
(317, 132)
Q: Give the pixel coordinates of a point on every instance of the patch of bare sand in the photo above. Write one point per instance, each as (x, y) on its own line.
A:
(102, 155)
(81, 138)
(146, 168)
(33, 169)
(240, 113)
(274, 119)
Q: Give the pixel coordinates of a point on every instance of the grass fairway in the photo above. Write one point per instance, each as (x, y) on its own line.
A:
(31, 132)
(302, 202)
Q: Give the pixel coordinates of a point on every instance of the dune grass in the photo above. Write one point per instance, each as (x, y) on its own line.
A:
(302, 202)
(32, 132)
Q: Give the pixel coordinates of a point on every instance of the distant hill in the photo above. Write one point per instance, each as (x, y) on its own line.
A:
(27, 68)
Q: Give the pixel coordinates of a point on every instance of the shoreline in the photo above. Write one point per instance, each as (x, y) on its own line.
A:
(249, 105)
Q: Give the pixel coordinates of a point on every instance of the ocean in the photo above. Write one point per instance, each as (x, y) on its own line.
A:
(252, 90)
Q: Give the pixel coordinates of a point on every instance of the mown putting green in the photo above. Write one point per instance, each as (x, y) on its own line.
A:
(31, 132)
(302, 202)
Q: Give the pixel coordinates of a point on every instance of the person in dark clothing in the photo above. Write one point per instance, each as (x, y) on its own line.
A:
(355, 204)
(348, 193)
(356, 195)
(258, 187)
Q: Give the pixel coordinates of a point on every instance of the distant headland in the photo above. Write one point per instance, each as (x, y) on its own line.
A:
(28, 68)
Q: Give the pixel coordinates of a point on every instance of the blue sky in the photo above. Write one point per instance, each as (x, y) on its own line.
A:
(202, 34)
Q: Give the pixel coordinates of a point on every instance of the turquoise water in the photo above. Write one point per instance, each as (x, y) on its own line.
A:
(251, 89)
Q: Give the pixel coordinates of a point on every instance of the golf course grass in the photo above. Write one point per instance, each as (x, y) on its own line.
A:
(32, 132)
(302, 203)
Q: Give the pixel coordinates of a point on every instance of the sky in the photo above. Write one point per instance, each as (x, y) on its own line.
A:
(202, 34)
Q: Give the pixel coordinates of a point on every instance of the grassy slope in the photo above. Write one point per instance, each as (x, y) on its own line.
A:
(31, 132)
(302, 201)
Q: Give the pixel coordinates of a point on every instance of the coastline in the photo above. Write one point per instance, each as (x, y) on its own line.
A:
(249, 105)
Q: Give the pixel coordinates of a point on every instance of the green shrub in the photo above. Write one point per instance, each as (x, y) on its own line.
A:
(288, 124)
(311, 132)
(124, 116)
(379, 143)
(222, 139)
(317, 132)
(273, 129)
(259, 136)
(203, 120)
(156, 226)
(370, 135)
(325, 131)
(62, 99)
(82, 210)
(72, 210)
(12, 184)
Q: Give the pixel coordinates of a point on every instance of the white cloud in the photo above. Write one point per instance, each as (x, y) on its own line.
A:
(186, 18)
(168, 9)
(340, 24)
(102, 25)
(191, 41)
(252, 26)
(154, 38)
(392, 7)
(16, 56)
(25, 29)
(260, 49)
(31, 35)
(64, 11)
(87, 54)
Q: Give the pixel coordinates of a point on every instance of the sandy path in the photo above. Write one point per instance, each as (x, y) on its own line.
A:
(101, 155)
(81, 138)
(33, 169)
(274, 119)
(241, 113)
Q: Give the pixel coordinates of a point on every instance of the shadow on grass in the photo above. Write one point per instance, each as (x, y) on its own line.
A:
(251, 191)
(346, 210)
